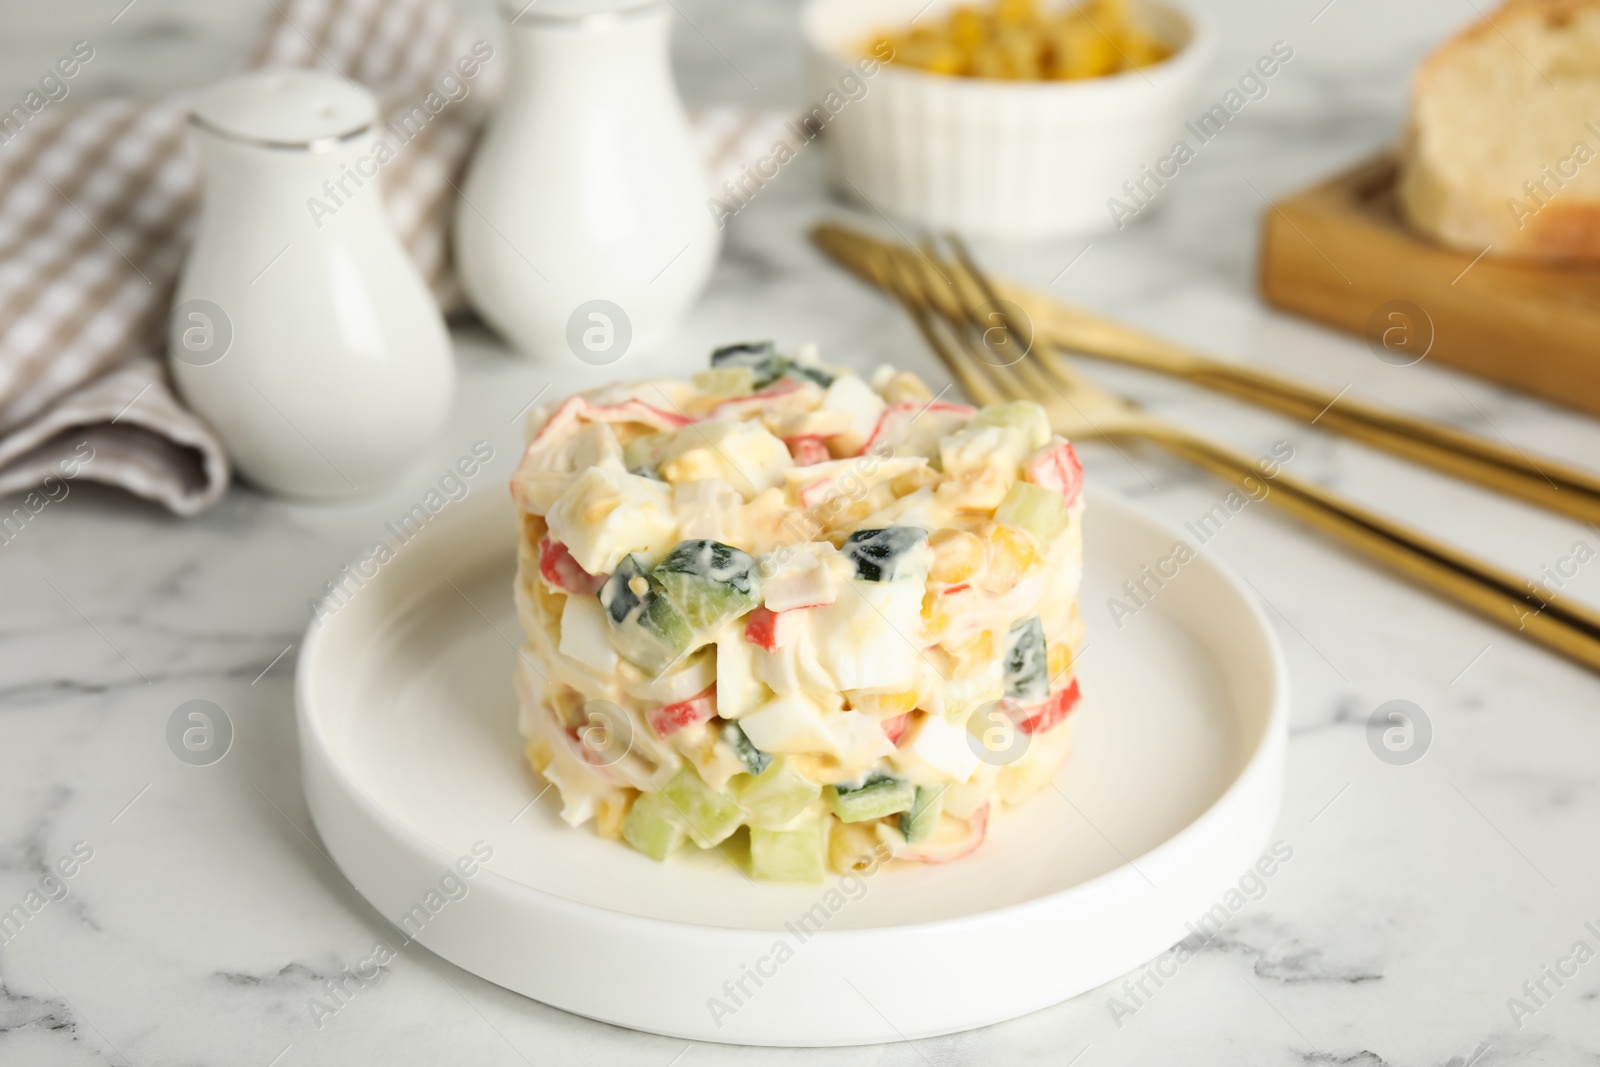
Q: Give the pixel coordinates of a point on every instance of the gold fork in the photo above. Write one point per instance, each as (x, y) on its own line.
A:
(955, 313)
(1545, 482)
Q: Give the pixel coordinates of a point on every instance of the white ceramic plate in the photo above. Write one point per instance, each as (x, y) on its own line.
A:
(411, 756)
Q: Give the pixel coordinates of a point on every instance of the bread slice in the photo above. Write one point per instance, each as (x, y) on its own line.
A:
(1503, 145)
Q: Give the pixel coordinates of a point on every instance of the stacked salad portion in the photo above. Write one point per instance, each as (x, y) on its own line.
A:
(835, 615)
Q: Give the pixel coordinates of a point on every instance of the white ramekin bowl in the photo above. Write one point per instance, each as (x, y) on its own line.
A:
(995, 158)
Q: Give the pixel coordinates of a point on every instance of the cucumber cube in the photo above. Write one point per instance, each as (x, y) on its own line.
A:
(1023, 415)
(618, 595)
(708, 582)
(755, 761)
(760, 356)
(920, 823)
(796, 855)
(877, 797)
(1026, 665)
(709, 815)
(1039, 511)
(775, 797)
(886, 554)
(809, 372)
(644, 454)
(652, 827)
(648, 630)
(726, 381)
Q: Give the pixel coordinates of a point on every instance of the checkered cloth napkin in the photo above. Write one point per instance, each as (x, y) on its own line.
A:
(97, 208)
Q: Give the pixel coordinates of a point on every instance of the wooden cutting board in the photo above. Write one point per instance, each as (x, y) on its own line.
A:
(1340, 253)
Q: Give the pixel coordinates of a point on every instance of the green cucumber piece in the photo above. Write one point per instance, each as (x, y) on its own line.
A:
(963, 696)
(1023, 415)
(922, 820)
(709, 816)
(652, 827)
(647, 628)
(810, 373)
(755, 761)
(708, 582)
(796, 855)
(761, 357)
(1026, 666)
(775, 797)
(726, 381)
(644, 454)
(1041, 512)
(876, 797)
(886, 554)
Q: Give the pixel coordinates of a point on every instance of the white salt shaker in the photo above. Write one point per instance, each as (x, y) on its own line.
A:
(583, 229)
(300, 328)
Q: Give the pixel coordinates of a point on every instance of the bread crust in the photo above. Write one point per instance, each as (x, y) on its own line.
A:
(1456, 214)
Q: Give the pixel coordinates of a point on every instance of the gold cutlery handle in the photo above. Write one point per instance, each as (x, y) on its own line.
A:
(1499, 596)
(1546, 483)
(1494, 594)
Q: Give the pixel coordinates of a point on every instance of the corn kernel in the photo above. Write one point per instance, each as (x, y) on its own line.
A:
(816, 766)
(852, 846)
(987, 62)
(966, 27)
(883, 705)
(1014, 12)
(1014, 40)
(610, 812)
(897, 703)
(1081, 50)
(1010, 553)
(1141, 49)
(945, 59)
(910, 481)
(957, 556)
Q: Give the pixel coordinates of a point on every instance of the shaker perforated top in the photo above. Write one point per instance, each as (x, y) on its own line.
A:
(286, 108)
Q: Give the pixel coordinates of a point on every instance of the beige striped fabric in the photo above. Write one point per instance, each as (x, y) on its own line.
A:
(97, 207)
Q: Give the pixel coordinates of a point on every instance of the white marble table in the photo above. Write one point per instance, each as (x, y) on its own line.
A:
(1420, 898)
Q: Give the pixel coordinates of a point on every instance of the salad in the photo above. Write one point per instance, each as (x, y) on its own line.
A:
(836, 615)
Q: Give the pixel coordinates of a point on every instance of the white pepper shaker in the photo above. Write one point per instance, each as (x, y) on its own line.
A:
(584, 228)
